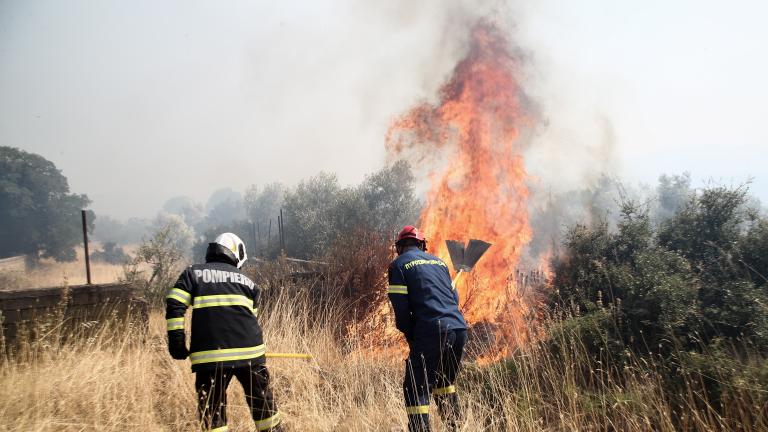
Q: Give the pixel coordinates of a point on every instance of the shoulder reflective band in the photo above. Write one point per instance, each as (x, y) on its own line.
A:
(444, 390)
(175, 323)
(268, 423)
(224, 428)
(222, 300)
(397, 289)
(228, 354)
(179, 295)
(415, 410)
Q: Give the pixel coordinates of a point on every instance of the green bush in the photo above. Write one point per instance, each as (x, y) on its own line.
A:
(650, 292)
(111, 253)
(690, 292)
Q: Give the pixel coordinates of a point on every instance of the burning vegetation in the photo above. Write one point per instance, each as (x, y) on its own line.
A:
(478, 190)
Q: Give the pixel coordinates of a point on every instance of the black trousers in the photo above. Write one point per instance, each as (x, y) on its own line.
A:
(432, 367)
(211, 386)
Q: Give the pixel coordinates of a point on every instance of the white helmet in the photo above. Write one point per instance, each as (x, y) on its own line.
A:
(230, 246)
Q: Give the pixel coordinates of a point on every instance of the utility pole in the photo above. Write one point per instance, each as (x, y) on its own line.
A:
(282, 232)
(255, 241)
(85, 243)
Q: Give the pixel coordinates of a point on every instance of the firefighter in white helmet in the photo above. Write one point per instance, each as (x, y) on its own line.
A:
(226, 337)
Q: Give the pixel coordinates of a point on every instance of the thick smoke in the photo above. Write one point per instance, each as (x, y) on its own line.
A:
(139, 103)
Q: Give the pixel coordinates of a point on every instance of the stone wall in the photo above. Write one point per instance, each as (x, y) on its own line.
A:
(81, 308)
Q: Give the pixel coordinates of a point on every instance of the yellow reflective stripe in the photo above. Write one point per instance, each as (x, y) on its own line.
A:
(268, 422)
(420, 409)
(224, 428)
(444, 390)
(423, 262)
(397, 289)
(255, 311)
(228, 354)
(180, 295)
(175, 323)
(222, 300)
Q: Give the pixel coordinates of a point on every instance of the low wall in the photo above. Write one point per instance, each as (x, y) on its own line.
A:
(16, 264)
(28, 310)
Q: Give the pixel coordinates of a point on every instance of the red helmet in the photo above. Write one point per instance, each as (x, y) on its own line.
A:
(410, 231)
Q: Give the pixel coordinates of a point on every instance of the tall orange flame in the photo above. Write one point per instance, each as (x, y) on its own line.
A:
(480, 190)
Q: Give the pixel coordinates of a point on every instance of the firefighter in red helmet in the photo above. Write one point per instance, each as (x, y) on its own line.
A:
(427, 313)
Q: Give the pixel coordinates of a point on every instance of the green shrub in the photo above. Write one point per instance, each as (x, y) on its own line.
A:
(690, 294)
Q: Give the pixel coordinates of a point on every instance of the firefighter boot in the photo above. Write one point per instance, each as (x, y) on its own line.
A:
(448, 407)
(418, 422)
(270, 424)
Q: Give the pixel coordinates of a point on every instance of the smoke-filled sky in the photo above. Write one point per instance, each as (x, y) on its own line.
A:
(140, 101)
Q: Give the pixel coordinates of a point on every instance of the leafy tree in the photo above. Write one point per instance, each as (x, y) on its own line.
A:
(224, 212)
(672, 193)
(754, 252)
(646, 291)
(310, 215)
(390, 199)
(177, 234)
(706, 228)
(38, 214)
(319, 211)
(710, 231)
(164, 252)
(111, 253)
(224, 206)
(263, 205)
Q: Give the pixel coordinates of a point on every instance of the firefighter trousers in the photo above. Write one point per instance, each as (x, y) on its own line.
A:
(431, 368)
(211, 386)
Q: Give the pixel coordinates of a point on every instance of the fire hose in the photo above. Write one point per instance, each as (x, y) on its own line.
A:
(289, 355)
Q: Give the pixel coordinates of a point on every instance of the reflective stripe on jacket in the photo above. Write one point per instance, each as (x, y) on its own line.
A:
(422, 296)
(225, 330)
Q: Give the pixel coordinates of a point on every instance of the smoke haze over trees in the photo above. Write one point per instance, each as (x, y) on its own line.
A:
(318, 212)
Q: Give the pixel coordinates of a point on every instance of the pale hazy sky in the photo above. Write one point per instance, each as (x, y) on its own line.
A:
(143, 100)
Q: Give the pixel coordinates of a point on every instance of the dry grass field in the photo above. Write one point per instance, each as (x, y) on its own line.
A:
(121, 380)
(49, 273)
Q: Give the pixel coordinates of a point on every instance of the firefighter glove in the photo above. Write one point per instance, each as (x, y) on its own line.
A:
(177, 346)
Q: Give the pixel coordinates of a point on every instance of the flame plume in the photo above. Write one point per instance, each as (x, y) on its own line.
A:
(480, 189)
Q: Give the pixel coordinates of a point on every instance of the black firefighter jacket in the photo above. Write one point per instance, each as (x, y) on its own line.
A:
(225, 331)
